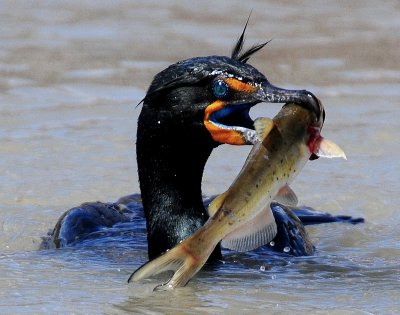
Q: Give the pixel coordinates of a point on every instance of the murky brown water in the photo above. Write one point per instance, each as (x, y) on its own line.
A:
(70, 77)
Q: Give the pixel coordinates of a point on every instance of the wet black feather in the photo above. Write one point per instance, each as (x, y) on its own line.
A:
(237, 53)
(247, 54)
(239, 45)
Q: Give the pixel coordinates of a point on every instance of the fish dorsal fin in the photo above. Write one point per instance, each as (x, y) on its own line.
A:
(286, 196)
(328, 149)
(263, 126)
(252, 234)
(217, 203)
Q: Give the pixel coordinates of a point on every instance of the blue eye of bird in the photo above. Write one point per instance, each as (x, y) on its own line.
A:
(220, 89)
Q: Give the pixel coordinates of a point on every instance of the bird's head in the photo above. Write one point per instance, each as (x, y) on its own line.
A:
(215, 94)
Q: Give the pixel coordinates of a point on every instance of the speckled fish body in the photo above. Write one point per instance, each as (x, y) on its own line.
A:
(241, 217)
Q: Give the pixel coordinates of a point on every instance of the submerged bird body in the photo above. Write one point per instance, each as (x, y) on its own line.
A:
(241, 217)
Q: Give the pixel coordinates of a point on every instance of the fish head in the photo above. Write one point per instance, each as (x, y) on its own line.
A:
(305, 122)
(316, 143)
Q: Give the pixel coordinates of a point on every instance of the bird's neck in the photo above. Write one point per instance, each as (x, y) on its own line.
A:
(170, 167)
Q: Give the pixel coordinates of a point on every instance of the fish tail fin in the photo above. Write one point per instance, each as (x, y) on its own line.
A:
(328, 149)
(181, 260)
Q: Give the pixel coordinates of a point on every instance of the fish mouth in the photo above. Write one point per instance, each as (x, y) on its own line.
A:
(231, 124)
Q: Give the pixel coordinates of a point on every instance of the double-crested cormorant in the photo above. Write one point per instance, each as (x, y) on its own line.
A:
(190, 108)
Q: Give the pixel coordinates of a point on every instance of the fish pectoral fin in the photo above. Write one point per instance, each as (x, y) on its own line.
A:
(179, 260)
(263, 126)
(252, 234)
(216, 204)
(328, 149)
(286, 196)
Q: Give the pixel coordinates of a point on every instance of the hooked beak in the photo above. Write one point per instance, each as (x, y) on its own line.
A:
(230, 122)
(272, 94)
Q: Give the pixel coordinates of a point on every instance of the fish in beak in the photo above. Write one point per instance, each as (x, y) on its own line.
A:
(241, 217)
(227, 118)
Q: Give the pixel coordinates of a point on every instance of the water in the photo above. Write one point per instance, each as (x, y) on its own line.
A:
(71, 75)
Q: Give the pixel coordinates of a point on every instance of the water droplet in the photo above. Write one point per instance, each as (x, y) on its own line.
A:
(286, 249)
(272, 243)
(262, 268)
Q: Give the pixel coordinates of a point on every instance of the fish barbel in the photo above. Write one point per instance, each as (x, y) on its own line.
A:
(241, 217)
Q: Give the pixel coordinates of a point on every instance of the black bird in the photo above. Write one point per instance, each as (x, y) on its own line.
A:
(190, 108)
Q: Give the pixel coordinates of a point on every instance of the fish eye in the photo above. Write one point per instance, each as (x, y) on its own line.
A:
(220, 89)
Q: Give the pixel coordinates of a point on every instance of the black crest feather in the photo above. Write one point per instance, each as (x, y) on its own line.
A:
(237, 53)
